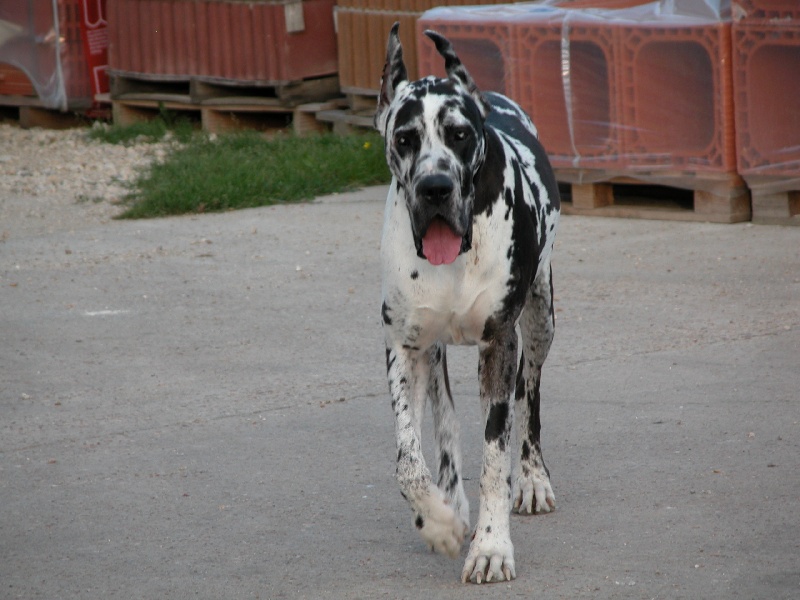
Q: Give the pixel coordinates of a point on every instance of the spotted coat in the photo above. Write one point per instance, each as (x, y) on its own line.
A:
(472, 162)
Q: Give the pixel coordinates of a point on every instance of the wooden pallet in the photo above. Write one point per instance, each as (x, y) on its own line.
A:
(220, 107)
(778, 206)
(197, 90)
(722, 198)
(31, 112)
(356, 113)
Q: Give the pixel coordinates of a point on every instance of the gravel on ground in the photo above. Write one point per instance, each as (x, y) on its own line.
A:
(64, 180)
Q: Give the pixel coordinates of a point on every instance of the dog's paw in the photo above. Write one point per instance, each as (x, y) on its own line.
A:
(533, 494)
(440, 526)
(458, 500)
(490, 559)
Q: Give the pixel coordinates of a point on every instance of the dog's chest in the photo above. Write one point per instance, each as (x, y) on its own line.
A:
(448, 303)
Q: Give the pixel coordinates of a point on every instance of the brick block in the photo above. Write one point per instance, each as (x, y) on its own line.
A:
(577, 109)
(677, 96)
(765, 10)
(258, 43)
(766, 62)
(14, 82)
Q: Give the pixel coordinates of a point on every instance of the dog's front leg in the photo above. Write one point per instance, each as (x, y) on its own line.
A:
(440, 526)
(491, 553)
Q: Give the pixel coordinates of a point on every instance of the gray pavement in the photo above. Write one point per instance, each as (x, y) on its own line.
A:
(196, 407)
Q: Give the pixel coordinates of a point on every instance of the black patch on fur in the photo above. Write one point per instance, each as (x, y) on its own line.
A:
(389, 359)
(445, 462)
(385, 312)
(496, 423)
(489, 178)
(419, 522)
(414, 274)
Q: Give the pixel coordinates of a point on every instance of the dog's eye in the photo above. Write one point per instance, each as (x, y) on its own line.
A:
(460, 135)
(403, 140)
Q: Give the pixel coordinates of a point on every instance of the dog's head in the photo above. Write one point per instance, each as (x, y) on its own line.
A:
(435, 146)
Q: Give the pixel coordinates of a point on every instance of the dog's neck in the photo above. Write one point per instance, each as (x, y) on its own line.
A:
(488, 179)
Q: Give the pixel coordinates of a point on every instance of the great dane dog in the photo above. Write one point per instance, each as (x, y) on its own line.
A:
(468, 234)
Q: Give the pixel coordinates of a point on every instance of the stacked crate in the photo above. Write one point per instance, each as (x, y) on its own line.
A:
(766, 61)
(40, 72)
(363, 27)
(260, 64)
(619, 96)
(265, 42)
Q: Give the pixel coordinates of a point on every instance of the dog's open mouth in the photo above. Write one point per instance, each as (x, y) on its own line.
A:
(440, 244)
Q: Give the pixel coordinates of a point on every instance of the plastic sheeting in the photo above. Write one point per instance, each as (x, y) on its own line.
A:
(643, 91)
(60, 45)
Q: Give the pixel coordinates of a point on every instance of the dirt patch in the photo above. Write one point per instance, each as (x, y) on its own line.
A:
(62, 180)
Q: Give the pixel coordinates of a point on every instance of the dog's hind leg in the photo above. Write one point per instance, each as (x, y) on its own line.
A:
(446, 431)
(438, 523)
(532, 490)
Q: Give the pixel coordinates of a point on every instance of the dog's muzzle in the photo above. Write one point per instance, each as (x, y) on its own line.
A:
(435, 190)
(442, 230)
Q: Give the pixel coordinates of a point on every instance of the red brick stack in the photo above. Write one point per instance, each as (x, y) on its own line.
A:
(363, 28)
(629, 93)
(766, 68)
(264, 42)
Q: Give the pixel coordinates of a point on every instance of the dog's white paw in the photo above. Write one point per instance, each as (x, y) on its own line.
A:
(533, 494)
(442, 528)
(490, 559)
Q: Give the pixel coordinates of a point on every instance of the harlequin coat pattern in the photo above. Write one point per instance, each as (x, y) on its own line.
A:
(467, 240)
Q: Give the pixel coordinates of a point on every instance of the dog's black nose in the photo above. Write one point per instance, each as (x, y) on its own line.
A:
(435, 189)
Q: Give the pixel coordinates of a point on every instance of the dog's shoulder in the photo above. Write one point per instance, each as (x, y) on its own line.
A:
(516, 142)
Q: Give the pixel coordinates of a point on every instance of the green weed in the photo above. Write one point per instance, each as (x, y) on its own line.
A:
(246, 170)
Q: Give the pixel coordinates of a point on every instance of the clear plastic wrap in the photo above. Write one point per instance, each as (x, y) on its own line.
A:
(60, 45)
(648, 92)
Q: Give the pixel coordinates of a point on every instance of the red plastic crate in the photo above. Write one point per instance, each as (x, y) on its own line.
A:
(14, 82)
(576, 110)
(766, 9)
(221, 41)
(767, 84)
(677, 97)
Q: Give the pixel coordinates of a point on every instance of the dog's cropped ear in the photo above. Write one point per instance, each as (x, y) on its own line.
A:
(456, 71)
(394, 74)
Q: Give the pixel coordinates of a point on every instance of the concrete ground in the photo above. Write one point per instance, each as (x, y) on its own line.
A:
(196, 407)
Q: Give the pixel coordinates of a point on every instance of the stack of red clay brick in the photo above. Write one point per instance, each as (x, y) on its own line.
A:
(687, 94)
(766, 69)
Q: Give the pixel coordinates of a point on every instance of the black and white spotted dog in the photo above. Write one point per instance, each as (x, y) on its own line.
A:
(467, 239)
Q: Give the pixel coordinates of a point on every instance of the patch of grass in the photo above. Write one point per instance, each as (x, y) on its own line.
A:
(179, 127)
(246, 170)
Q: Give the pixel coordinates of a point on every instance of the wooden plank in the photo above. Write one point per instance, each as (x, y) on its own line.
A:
(217, 120)
(776, 208)
(309, 90)
(592, 195)
(9, 100)
(32, 116)
(716, 197)
(343, 116)
(363, 102)
(305, 117)
(286, 94)
(121, 86)
(732, 206)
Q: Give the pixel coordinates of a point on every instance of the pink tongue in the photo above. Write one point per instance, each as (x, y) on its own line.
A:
(440, 245)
